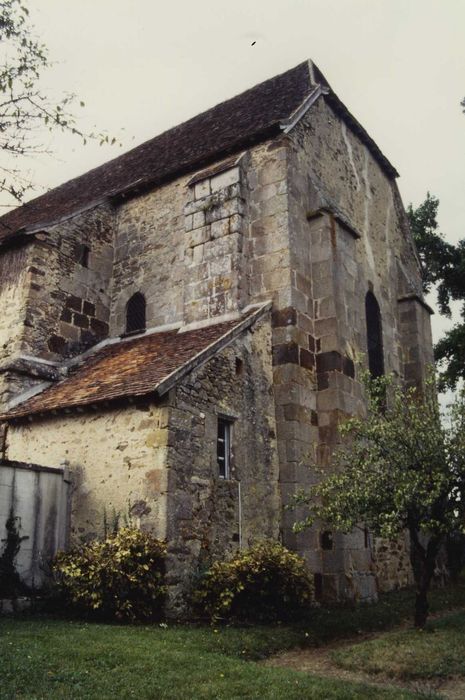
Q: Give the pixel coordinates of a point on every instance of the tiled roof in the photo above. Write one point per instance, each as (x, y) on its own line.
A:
(220, 130)
(230, 126)
(131, 368)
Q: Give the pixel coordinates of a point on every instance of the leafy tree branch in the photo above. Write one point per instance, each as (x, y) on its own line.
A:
(25, 111)
(399, 468)
(443, 266)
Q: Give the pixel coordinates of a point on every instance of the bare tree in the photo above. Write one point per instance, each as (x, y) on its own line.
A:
(25, 111)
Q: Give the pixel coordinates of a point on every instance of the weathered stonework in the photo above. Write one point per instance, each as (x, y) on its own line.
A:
(306, 215)
(209, 517)
(68, 305)
(149, 255)
(213, 219)
(155, 464)
(54, 306)
(392, 564)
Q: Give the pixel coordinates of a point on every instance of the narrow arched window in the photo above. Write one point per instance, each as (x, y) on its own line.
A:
(374, 336)
(135, 314)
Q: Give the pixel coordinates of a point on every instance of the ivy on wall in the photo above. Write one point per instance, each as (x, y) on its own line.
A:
(10, 582)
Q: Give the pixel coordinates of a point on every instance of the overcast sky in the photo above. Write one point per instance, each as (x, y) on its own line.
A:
(146, 65)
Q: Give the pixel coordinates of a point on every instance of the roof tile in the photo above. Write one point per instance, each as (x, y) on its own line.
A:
(129, 368)
(204, 138)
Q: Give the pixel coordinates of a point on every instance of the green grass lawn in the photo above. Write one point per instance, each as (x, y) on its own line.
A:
(437, 652)
(392, 609)
(43, 657)
(49, 658)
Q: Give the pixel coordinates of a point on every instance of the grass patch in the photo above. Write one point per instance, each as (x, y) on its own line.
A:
(392, 609)
(45, 658)
(436, 652)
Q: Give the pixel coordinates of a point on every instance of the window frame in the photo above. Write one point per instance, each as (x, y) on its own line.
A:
(224, 471)
(374, 331)
(132, 311)
(326, 540)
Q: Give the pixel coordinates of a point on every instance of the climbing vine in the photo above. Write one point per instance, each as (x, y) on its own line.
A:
(10, 582)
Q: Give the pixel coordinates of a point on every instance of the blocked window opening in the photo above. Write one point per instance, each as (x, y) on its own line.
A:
(223, 448)
(239, 366)
(326, 540)
(374, 336)
(135, 314)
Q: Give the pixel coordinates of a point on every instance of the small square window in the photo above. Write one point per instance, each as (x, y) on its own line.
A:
(223, 448)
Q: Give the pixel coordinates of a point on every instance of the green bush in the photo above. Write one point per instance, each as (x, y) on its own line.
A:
(120, 577)
(262, 584)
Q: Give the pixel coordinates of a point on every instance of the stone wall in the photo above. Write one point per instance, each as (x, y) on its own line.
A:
(348, 236)
(326, 226)
(149, 255)
(308, 220)
(156, 465)
(416, 340)
(210, 517)
(55, 294)
(69, 303)
(214, 224)
(13, 291)
(15, 280)
(392, 562)
(111, 455)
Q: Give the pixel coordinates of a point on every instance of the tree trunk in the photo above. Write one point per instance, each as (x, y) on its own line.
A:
(421, 602)
(423, 563)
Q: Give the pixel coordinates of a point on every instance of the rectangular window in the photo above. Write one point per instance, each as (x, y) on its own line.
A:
(223, 448)
(82, 254)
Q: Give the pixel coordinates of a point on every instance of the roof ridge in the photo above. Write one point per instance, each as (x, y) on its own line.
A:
(260, 112)
(134, 151)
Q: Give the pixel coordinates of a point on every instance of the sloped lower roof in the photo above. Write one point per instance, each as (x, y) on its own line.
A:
(237, 123)
(148, 364)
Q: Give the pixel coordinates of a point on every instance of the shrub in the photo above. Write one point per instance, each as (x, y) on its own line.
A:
(120, 577)
(262, 584)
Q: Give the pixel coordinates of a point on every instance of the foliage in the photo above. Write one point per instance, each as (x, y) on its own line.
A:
(399, 468)
(443, 267)
(25, 111)
(438, 257)
(264, 583)
(449, 351)
(10, 582)
(120, 577)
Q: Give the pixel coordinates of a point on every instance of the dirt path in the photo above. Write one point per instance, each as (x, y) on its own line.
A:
(318, 661)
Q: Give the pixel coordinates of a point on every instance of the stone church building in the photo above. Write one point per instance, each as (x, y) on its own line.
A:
(180, 329)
